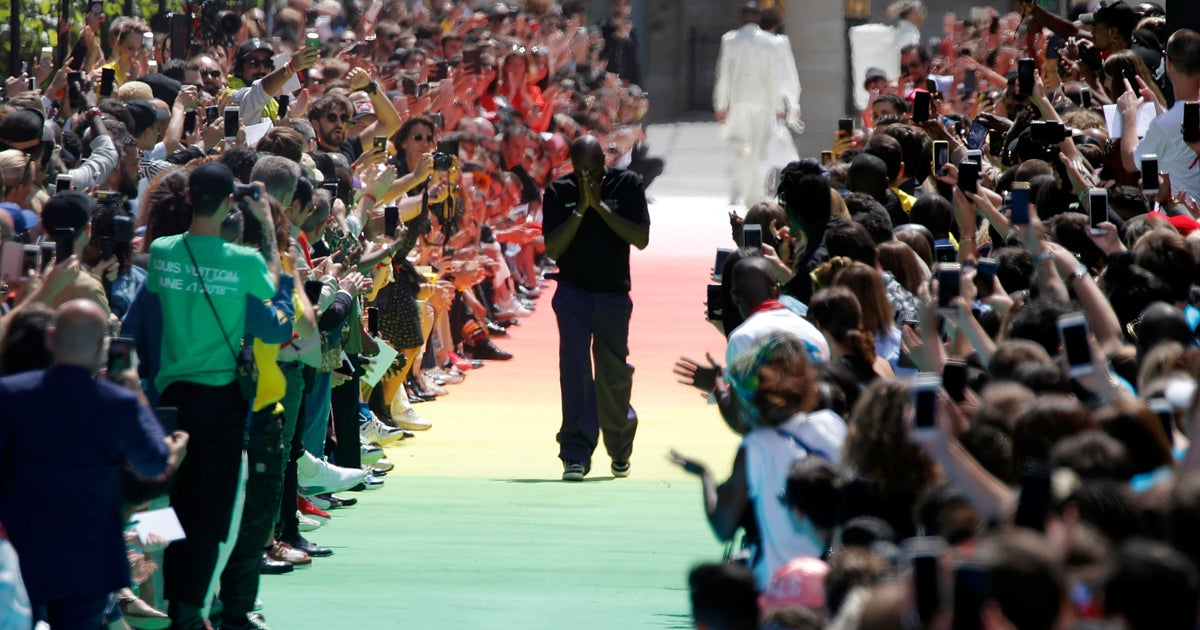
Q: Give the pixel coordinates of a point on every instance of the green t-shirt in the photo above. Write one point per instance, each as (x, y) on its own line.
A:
(192, 348)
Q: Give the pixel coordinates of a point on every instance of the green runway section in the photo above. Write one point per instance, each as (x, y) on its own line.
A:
(502, 553)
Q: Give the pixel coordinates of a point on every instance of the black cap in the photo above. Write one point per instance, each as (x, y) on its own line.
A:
(22, 125)
(67, 209)
(145, 114)
(1117, 14)
(253, 45)
(164, 87)
(209, 184)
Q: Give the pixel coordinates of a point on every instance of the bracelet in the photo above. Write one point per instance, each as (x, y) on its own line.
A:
(370, 196)
(1081, 270)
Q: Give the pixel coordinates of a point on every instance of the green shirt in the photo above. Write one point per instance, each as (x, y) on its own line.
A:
(194, 347)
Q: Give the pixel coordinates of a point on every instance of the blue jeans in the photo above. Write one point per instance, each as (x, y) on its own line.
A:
(316, 414)
(593, 328)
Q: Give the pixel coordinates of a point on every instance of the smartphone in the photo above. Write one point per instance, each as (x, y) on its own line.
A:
(1034, 503)
(941, 155)
(168, 419)
(64, 244)
(972, 582)
(974, 155)
(719, 264)
(120, 356)
(995, 143)
(332, 187)
(712, 302)
(752, 235)
(63, 183)
(827, 158)
(970, 82)
(179, 35)
(846, 125)
(13, 262)
(471, 62)
(1097, 209)
(74, 91)
(977, 135)
(380, 143)
(945, 253)
(924, 554)
(148, 43)
(1150, 175)
(954, 380)
(391, 220)
(408, 85)
(247, 191)
(1025, 69)
(122, 228)
(1166, 415)
(189, 123)
(373, 321)
(1020, 204)
(47, 54)
(924, 400)
(210, 114)
(312, 290)
(284, 101)
(32, 84)
(920, 106)
(949, 284)
(1085, 98)
(47, 256)
(232, 116)
(1191, 121)
(313, 40)
(968, 176)
(1073, 332)
(985, 277)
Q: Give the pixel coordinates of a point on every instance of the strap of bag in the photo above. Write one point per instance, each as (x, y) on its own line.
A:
(795, 439)
(204, 287)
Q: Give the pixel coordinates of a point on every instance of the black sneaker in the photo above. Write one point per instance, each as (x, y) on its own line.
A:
(620, 469)
(573, 471)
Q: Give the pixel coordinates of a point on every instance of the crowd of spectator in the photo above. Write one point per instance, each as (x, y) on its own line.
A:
(270, 236)
(963, 361)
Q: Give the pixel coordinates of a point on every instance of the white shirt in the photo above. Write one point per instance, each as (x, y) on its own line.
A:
(752, 83)
(1164, 138)
(769, 323)
(907, 34)
(769, 455)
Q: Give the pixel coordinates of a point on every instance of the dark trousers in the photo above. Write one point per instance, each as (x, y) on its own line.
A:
(594, 327)
(299, 384)
(81, 612)
(239, 581)
(206, 493)
(344, 403)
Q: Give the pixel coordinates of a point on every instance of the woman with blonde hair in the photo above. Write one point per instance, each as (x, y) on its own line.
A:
(17, 170)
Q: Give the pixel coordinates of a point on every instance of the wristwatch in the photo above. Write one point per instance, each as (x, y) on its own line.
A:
(371, 88)
(1081, 270)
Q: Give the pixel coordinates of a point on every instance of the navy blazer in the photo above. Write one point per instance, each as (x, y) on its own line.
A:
(64, 440)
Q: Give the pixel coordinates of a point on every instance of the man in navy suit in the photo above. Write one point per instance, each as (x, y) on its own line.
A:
(65, 439)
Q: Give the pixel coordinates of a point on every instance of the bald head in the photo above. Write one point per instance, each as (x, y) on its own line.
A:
(77, 335)
(753, 283)
(587, 155)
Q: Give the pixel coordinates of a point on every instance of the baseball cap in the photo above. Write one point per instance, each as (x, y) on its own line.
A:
(253, 45)
(23, 220)
(164, 87)
(1117, 14)
(22, 125)
(145, 114)
(68, 209)
(209, 184)
(363, 109)
(873, 74)
(798, 584)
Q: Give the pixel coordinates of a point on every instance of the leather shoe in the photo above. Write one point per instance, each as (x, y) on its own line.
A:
(282, 552)
(270, 566)
(299, 542)
(487, 350)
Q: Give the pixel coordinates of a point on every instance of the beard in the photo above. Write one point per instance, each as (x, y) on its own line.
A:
(128, 186)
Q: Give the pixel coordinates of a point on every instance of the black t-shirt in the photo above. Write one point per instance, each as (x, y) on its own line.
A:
(351, 148)
(597, 259)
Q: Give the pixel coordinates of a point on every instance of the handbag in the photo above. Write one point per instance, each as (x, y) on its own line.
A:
(246, 369)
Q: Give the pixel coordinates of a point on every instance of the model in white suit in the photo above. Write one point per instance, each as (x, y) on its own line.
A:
(757, 93)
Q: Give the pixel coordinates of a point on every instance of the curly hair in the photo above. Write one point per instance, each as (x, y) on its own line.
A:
(877, 445)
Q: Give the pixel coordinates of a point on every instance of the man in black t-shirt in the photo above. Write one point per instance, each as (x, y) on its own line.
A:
(590, 220)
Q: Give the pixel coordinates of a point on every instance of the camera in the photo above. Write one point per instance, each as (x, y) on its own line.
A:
(1047, 131)
(442, 161)
(209, 24)
(246, 191)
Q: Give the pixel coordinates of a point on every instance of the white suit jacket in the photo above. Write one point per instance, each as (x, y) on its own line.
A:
(755, 79)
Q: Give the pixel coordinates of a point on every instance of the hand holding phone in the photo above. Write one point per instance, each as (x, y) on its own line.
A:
(1097, 210)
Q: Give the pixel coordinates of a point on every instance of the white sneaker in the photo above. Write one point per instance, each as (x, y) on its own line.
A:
(317, 476)
(307, 523)
(411, 421)
(372, 429)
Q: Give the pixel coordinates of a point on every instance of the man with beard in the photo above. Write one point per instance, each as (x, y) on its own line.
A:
(330, 117)
(212, 79)
(334, 133)
(254, 81)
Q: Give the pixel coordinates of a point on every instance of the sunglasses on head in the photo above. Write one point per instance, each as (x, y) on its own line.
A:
(333, 118)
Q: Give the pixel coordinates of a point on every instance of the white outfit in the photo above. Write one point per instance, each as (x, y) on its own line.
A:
(770, 323)
(769, 454)
(1164, 138)
(907, 34)
(756, 85)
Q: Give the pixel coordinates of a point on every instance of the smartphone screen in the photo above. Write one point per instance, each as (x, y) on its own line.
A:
(970, 82)
(108, 77)
(924, 400)
(1097, 209)
(1020, 204)
(827, 158)
(1150, 174)
(712, 301)
(846, 125)
(949, 284)
(920, 110)
(63, 183)
(945, 253)
(1191, 121)
(74, 80)
(380, 143)
(232, 114)
(1034, 503)
(976, 135)
(179, 35)
(925, 587)
(284, 101)
(189, 122)
(1025, 68)
(1085, 97)
(391, 220)
(373, 321)
(968, 176)
(752, 235)
(1073, 332)
(120, 356)
(985, 277)
(971, 585)
(954, 380)
(64, 244)
(332, 187)
(719, 264)
(941, 155)
(210, 114)
(312, 290)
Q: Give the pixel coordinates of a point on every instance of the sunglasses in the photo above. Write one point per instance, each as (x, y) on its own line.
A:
(255, 62)
(421, 138)
(333, 118)
(212, 74)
